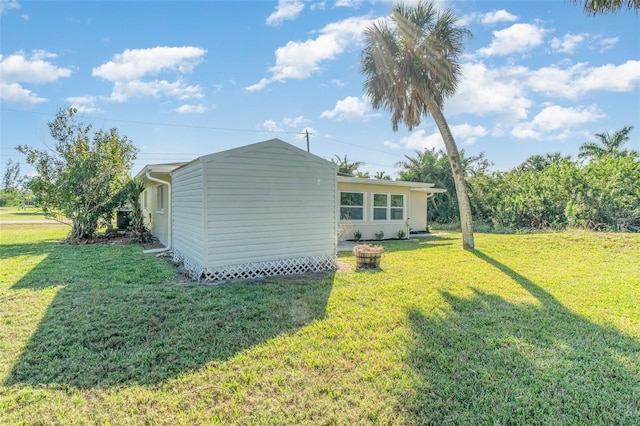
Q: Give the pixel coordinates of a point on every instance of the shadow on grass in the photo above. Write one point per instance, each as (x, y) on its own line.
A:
(492, 361)
(8, 251)
(420, 243)
(113, 324)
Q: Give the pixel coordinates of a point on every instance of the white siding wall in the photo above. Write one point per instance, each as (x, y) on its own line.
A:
(188, 214)
(368, 227)
(156, 218)
(418, 211)
(268, 204)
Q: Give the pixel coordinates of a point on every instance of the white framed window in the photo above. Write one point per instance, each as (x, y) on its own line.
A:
(388, 207)
(351, 206)
(160, 197)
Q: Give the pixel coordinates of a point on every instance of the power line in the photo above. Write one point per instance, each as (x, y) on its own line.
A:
(192, 126)
(361, 146)
(153, 123)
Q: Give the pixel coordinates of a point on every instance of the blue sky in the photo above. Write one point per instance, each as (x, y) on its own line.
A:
(183, 79)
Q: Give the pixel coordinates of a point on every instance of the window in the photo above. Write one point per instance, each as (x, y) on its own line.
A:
(379, 206)
(144, 199)
(351, 206)
(388, 207)
(160, 197)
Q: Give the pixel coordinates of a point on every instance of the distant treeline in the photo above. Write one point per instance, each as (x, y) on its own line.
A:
(599, 191)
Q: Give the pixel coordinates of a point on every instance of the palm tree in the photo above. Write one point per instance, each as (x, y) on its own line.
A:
(345, 168)
(411, 66)
(382, 176)
(607, 144)
(541, 162)
(593, 7)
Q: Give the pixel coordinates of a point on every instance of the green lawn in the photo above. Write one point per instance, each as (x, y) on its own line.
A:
(528, 329)
(15, 213)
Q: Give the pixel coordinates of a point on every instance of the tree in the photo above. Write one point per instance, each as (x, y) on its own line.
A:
(346, 168)
(132, 191)
(541, 162)
(411, 67)
(431, 166)
(82, 178)
(11, 179)
(607, 144)
(12, 191)
(382, 176)
(594, 7)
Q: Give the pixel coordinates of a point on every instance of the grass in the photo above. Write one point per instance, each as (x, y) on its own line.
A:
(528, 329)
(16, 213)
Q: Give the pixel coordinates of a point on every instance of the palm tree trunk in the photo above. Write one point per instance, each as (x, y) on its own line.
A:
(466, 223)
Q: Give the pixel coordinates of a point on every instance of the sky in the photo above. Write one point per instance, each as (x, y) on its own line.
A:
(182, 79)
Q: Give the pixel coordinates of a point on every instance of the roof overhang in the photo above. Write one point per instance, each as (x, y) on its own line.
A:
(413, 186)
(429, 190)
(165, 168)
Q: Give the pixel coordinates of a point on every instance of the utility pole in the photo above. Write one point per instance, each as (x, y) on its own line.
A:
(307, 132)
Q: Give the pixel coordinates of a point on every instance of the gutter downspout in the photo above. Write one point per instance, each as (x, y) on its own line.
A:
(169, 216)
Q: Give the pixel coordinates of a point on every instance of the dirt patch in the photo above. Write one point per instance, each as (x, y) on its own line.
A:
(119, 238)
(343, 266)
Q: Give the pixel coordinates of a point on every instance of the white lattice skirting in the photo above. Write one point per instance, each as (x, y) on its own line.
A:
(250, 271)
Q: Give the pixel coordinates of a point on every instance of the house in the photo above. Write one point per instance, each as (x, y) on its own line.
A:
(155, 200)
(270, 209)
(258, 210)
(372, 206)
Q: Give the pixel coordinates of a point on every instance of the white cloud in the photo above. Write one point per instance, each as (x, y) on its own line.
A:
(286, 10)
(556, 117)
(84, 104)
(556, 122)
(318, 5)
(15, 94)
(299, 60)
(7, 5)
(608, 43)
(347, 3)
(35, 69)
(497, 16)
(133, 64)
(294, 122)
(579, 79)
(270, 126)
(467, 134)
(191, 109)
(127, 70)
(525, 131)
(568, 43)
(287, 122)
(508, 91)
(349, 108)
(264, 82)
(418, 140)
(611, 78)
(464, 134)
(516, 38)
(555, 81)
(123, 90)
(18, 69)
(483, 91)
